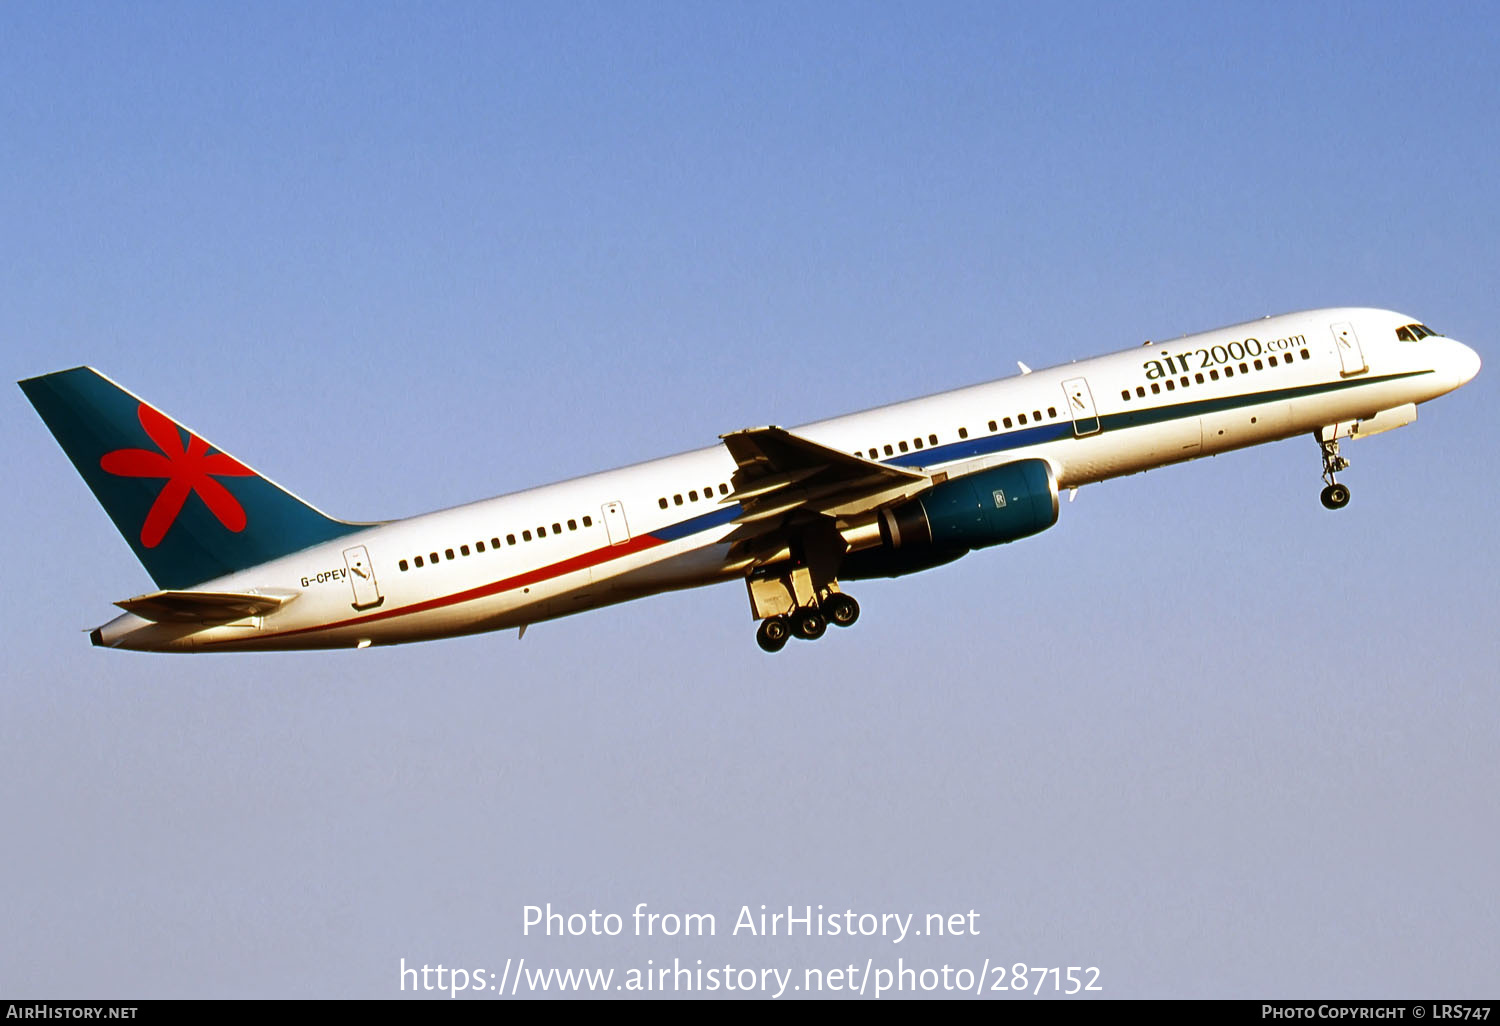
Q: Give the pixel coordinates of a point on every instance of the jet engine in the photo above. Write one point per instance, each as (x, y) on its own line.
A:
(987, 508)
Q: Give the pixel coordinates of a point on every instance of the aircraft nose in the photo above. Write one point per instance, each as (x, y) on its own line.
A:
(1465, 365)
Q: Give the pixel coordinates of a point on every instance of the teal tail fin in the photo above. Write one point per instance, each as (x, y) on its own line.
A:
(190, 511)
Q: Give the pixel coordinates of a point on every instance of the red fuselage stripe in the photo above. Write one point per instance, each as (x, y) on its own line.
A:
(530, 577)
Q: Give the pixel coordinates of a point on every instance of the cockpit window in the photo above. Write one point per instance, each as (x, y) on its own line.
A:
(1414, 332)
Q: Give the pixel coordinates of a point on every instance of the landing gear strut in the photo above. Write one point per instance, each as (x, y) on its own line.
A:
(1335, 495)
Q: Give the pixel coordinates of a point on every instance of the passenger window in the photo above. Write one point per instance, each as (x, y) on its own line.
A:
(1171, 385)
(662, 502)
(1184, 381)
(1052, 411)
(1021, 417)
(557, 528)
(693, 495)
(588, 521)
(723, 489)
(541, 532)
(479, 546)
(1214, 375)
(402, 564)
(1229, 372)
(1198, 377)
(1036, 414)
(510, 539)
(1140, 393)
(917, 442)
(1125, 394)
(526, 536)
(903, 446)
(963, 432)
(1155, 388)
(448, 553)
(1305, 356)
(874, 453)
(1259, 365)
(932, 439)
(1007, 422)
(572, 525)
(1244, 368)
(463, 550)
(994, 428)
(888, 451)
(677, 499)
(1272, 360)
(419, 561)
(434, 557)
(494, 543)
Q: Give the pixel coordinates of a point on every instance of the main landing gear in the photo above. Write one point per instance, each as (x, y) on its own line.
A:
(807, 622)
(1334, 495)
(793, 603)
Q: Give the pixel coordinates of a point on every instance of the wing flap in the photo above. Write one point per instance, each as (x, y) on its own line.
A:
(780, 474)
(205, 607)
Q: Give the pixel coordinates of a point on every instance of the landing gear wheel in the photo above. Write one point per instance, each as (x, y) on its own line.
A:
(808, 624)
(1335, 496)
(842, 610)
(772, 634)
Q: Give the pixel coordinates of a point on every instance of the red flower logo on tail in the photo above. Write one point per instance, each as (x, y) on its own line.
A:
(187, 470)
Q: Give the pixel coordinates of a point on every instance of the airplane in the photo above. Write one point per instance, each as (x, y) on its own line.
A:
(241, 564)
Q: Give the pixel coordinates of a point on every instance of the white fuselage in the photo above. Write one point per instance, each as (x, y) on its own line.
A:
(659, 525)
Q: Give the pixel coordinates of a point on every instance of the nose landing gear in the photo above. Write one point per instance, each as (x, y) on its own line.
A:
(1334, 495)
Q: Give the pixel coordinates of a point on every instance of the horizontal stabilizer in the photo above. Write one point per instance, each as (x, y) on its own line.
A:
(204, 606)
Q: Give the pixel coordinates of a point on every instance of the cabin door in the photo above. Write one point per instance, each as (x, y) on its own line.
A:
(1081, 406)
(614, 523)
(362, 578)
(1351, 356)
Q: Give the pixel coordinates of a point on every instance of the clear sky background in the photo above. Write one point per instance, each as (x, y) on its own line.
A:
(1204, 734)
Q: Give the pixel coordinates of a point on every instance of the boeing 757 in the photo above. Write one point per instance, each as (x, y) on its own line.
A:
(239, 563)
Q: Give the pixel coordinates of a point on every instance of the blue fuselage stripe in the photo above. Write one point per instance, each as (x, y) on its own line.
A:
(1023, 438)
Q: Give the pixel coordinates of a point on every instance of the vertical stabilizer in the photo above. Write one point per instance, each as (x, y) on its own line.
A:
(189, 510)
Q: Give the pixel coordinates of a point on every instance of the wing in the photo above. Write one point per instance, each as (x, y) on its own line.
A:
(204, 606)
(783, 479)
(779, 472)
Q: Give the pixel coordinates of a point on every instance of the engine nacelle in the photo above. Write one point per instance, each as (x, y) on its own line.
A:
(992, 507)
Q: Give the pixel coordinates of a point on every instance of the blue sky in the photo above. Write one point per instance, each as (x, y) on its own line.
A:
(1202, 734)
